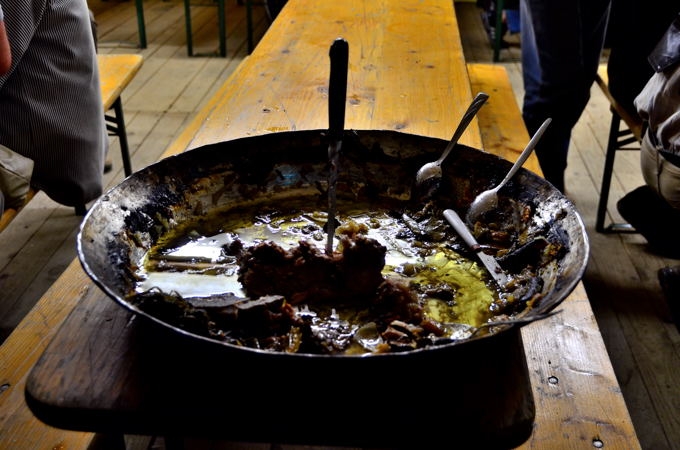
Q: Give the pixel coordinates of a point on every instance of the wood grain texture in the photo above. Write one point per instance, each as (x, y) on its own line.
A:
(115, 73)
(398, 63)
(500, 122)
(19, 428)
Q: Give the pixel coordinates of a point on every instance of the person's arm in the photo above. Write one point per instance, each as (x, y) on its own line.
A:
(5, 53)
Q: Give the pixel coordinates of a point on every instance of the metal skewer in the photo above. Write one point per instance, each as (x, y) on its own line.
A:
(337, 94)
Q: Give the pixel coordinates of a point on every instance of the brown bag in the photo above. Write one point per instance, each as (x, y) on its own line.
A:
(15, 177)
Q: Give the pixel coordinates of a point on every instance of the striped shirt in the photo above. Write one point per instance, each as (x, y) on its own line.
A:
(50, 101)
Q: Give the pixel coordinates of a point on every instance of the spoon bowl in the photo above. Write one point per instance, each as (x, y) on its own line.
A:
(432, 171)
(488, 200)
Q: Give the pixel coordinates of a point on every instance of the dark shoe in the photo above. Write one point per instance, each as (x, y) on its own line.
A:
(653, 218)
(669, 279)
(108, 165)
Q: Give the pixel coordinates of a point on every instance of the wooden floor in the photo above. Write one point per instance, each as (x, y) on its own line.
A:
(171, 87)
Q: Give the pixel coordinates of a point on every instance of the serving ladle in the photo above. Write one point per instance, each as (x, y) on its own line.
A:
(432, 171)
(488, 200)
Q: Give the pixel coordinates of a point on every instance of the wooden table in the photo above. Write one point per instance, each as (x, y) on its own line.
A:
(104, 371)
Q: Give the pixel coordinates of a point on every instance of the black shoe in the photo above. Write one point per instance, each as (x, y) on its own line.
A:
(669, 279)
(653, 218)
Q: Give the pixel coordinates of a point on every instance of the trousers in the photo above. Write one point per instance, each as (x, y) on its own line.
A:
(561, 47)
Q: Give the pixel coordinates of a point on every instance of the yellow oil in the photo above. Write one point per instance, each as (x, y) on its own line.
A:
(192, 261)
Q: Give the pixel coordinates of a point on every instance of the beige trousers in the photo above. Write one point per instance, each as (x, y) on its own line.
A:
(659, 174)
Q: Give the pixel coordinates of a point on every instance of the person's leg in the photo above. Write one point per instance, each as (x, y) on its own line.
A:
(659, 173)
(512, 16)
(647, 208)
(669, 182)
(62, 129)
(561, 46)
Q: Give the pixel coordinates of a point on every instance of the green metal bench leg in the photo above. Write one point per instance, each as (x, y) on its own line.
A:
(187, 18)
(221, 23)
(139, 4)
(498, 36)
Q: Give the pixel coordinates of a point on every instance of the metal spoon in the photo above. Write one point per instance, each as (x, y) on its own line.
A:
(432, 171)
(488, 199)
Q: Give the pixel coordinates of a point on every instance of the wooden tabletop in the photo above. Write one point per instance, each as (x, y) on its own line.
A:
(406, 72)
(105, 371)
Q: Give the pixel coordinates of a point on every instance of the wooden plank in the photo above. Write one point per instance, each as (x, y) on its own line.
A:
(19, 353)
(115, 73)
(9, 214)
(20, 275)
(371, 92)
(202, 86)
(500, 121)
(119, 24)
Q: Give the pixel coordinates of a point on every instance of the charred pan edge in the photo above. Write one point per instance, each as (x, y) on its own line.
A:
(132, 215)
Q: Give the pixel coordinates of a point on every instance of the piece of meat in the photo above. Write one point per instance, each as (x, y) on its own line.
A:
(306, 274)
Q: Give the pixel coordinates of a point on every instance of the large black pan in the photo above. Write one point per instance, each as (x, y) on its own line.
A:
(485, 378)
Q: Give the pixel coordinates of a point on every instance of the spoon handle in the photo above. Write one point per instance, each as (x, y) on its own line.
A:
(477, 103)
(525, 153)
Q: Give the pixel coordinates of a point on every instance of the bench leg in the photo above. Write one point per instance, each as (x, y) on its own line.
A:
(614, 143)
(122, 136)
(187, 19)
(116, 126)
(607, 173)
(139, 4)
(221, 24)
(498, 36)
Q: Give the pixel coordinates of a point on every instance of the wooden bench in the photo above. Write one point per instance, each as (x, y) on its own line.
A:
(116, 72)
(502, 128)
(500, 120)
(626, 137)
